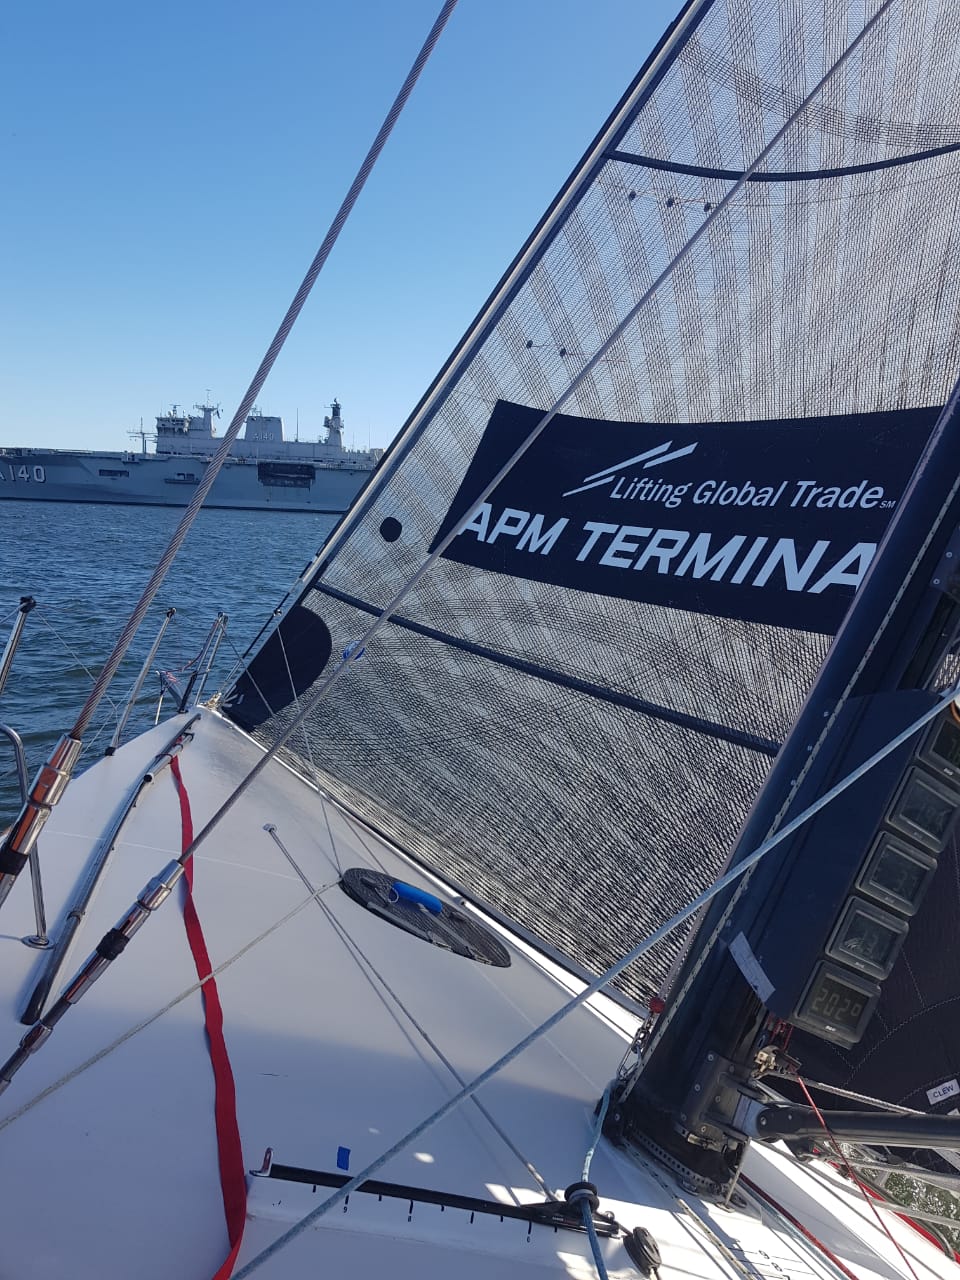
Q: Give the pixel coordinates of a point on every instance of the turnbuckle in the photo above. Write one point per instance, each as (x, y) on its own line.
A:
(48, 786)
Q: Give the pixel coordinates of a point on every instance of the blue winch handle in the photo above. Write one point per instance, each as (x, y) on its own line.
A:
(410, 893)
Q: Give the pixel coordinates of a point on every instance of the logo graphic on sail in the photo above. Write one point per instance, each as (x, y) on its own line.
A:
(774, 522)
(652, 458)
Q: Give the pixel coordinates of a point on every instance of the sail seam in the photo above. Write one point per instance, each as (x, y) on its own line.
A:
(737, 737)
(788, 175)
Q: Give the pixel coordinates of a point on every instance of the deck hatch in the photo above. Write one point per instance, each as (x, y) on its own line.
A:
(425, 916)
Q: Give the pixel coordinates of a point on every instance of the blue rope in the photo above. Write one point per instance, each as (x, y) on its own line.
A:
(585, 1208)
(594, 1242)
(597, 1130)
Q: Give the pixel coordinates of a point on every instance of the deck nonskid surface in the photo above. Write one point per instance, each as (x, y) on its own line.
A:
(343, 1033)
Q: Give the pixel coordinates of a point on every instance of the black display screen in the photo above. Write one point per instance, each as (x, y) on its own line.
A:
(898, 875)
(867, 942)
(835, 1003)
(924, 809)
(946, 743)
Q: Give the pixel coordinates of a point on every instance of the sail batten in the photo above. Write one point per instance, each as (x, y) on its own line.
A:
(752, 742)
(796, 175)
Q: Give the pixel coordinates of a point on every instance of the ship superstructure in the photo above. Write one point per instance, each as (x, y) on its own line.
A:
(263, 472)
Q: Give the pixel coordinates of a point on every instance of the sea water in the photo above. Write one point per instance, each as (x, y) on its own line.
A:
(86, 565)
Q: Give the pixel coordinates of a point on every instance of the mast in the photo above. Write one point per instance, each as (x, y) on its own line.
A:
(687, 1094)
(333, 425)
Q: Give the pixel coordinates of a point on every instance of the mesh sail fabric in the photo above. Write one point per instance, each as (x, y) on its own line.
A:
(580, 757)
(538, 799)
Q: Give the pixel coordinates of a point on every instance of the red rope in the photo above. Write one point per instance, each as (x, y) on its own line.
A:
(805, 1231)
(917, 1226)
(855, 1180)
(233, 1182)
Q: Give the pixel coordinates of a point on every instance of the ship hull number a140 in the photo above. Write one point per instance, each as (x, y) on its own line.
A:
(22, 473)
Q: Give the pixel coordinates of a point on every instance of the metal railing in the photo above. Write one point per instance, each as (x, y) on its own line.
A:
(38, 939)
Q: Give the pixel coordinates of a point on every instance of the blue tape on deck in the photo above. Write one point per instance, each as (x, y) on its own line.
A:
(410, 893)
(343, 1158)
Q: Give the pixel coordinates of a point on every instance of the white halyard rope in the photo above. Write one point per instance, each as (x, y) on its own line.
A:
(266, 364)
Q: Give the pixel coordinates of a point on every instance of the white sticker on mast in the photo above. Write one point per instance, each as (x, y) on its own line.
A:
(750, 967)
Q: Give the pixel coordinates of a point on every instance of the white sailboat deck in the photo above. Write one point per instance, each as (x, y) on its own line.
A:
(107, 1133)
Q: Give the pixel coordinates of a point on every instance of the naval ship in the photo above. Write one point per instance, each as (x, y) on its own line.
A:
(263, 472)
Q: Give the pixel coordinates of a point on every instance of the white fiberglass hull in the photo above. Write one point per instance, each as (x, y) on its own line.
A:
(343, 1033)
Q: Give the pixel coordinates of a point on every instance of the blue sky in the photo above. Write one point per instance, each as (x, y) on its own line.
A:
(170, 169)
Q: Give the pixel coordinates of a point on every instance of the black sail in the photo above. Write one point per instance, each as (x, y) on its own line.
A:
(571, 712)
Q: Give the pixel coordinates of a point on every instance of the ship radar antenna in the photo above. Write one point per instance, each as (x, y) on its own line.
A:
(208, 406)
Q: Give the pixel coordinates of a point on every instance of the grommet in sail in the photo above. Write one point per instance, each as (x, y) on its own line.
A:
(423, 914)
